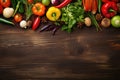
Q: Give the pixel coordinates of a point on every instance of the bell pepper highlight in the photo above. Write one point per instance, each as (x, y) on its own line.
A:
(63, 4)
(53, 13)
(107, 7)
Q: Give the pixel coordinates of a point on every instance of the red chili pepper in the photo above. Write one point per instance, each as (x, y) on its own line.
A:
(63, 4)
(110, 0)
(1, 9)
(36, 23)
(107, 7)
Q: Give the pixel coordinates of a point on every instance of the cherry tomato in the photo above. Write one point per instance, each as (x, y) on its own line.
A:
(5, 3)
(30, 1)
(1, 9)
(18, 17)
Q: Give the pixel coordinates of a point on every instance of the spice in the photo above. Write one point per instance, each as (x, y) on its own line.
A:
(99, 17)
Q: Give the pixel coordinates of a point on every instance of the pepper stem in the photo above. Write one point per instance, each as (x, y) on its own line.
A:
(111, 10)
(54, 15)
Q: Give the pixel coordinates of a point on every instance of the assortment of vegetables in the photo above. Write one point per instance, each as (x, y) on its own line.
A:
(51, 15)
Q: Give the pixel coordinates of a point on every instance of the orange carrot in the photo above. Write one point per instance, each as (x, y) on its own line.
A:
(94, 6)
(87, 4)
(83, 2)
(90, 4)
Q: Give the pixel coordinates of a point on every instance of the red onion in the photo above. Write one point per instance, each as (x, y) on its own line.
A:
(55, 2)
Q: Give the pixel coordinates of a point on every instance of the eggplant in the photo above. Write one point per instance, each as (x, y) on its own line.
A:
(55, 2)
(45, 27)
(55, 30)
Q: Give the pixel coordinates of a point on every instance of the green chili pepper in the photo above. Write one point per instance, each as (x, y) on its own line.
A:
(6, 21)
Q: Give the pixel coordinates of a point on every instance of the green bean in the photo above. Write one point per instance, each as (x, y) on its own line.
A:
(95, 23)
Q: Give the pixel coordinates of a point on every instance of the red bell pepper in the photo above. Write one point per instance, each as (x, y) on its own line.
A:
(5, 3)
(106, 7)
(63, 4)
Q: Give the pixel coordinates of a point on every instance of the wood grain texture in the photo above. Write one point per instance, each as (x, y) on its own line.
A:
(82, 55)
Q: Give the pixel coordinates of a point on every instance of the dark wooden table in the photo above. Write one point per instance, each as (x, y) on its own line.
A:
(82, 55)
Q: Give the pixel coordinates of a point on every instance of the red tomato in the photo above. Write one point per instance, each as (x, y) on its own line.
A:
(5, 3)
(1, 9)
(18, 17)
(30, 1)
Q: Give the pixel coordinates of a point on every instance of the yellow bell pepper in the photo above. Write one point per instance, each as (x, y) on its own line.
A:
(53, 14)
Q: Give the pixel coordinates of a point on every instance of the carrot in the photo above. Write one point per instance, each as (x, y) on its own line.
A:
(83, 2)
(90, 4)
(94, 7)
(87, 4)
(84, 5)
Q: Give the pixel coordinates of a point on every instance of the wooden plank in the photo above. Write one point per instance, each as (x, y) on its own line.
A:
(82, 55)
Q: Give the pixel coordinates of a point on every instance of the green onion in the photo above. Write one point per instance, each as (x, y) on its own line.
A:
(95, 23)
(99, 6)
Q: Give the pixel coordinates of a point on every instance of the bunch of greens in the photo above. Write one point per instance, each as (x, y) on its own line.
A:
(71, 14)
(28, 11)
(20, 5)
